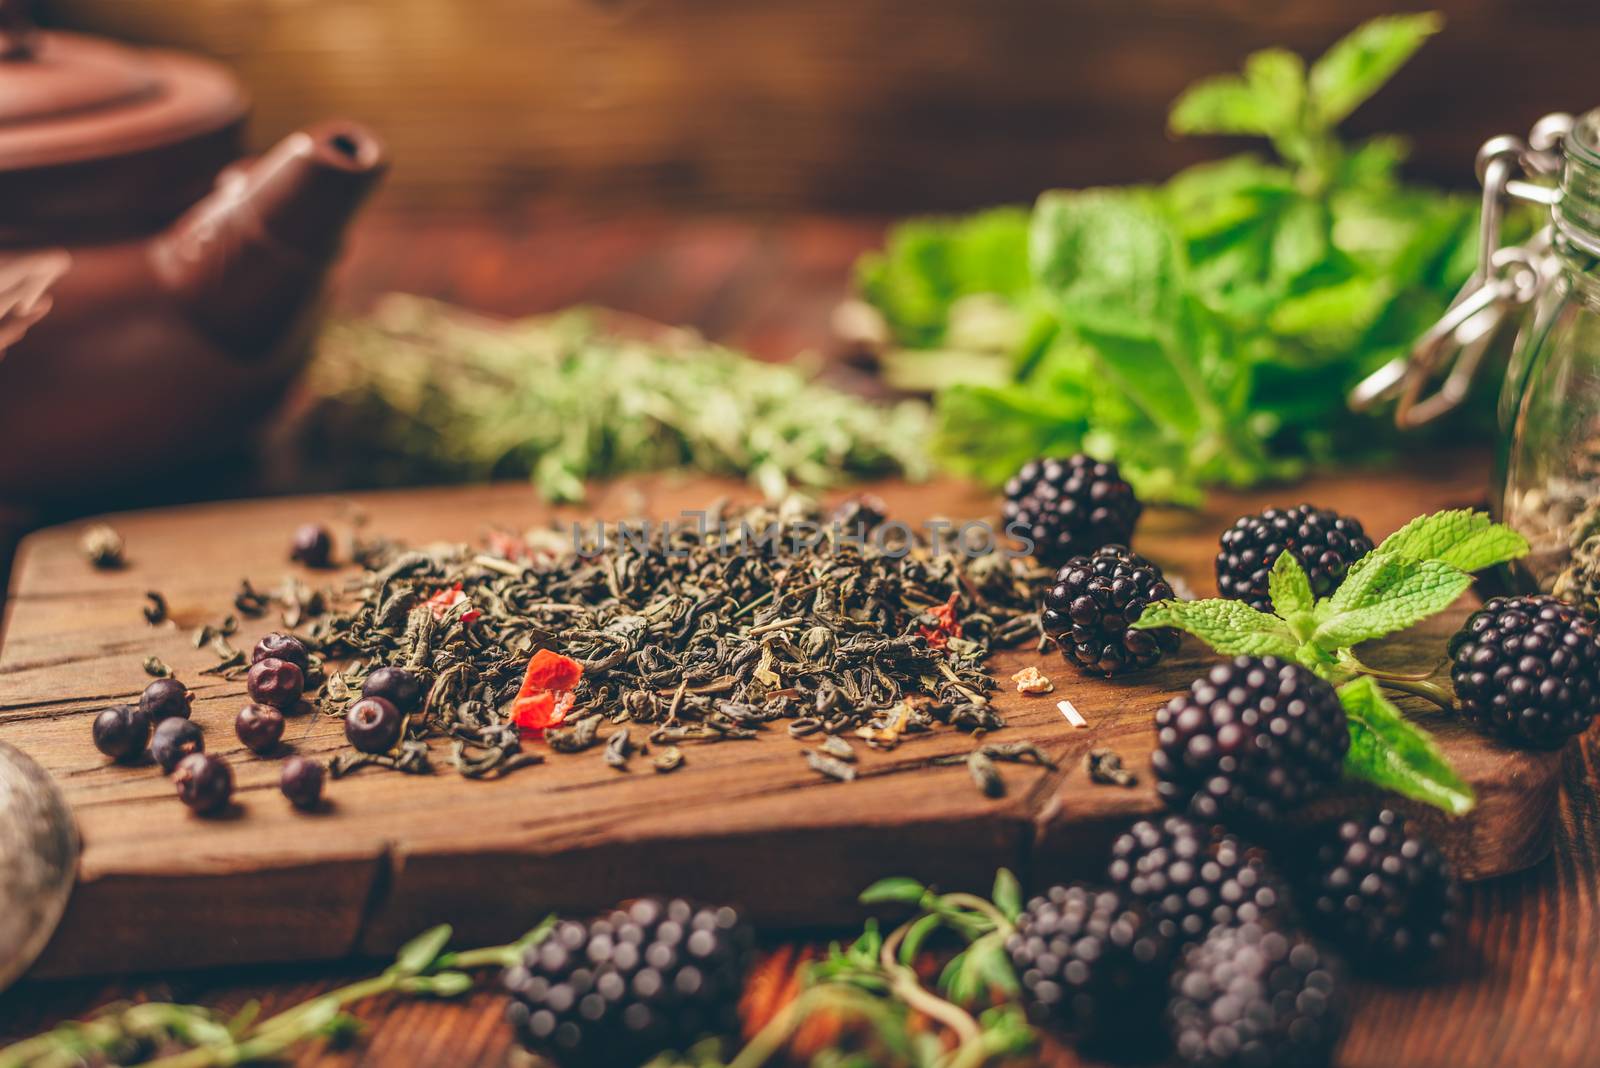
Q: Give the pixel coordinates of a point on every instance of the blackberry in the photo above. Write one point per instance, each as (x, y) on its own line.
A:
(1192, 877)
(1090, 610)
(1528, 668)
(1253, 738)
(655, 976)
(1070, 507)
(1255, 997)
(1325, 542)
(1382, 892)
(1092, 964)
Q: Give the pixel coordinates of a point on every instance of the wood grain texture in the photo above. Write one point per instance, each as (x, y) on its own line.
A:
(903, 105)
(747, 822)
(1514, 990)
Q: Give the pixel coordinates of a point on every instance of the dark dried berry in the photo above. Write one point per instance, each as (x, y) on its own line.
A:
(401, 688)
(654, 977)
(1251, 996)
(301, 782)
(1091, 609)
(165, 698)
(1528, 669)
(312, 545)
(174, 740)
(205, 783)
(373, 725)
(278, 646)
(260, 728)
(1253, 738)
(1070, 507)
(1192, 877)
(121, 732)
(1382, 892)
(275, 682)
(860, 514)
(1325, 542)
(1093, 965)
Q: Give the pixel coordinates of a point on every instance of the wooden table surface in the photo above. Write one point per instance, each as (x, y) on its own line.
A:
(1518, 987)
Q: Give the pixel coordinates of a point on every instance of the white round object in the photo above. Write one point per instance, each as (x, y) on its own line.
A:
(38, 860)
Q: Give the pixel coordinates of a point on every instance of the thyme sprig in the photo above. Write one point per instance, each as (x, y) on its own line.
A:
(191, 1036)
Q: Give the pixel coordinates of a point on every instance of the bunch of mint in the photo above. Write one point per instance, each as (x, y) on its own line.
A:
(1417, 572)
(1200, 332)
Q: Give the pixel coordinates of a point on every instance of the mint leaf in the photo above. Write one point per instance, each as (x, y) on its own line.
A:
(1358, 65)
(1266, 100)
(1155, 376)
(1232, 628)
(1385, 592)
(1290, 587)
(927, 265)
(1460, 537)
(1106, 259)
(1392, 753)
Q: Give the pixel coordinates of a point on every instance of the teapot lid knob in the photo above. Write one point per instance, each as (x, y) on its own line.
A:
(16, 30)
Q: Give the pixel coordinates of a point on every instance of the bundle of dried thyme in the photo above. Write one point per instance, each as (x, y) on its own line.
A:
(420, 392)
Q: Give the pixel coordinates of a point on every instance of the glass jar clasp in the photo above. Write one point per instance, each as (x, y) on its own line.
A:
(1506, 278)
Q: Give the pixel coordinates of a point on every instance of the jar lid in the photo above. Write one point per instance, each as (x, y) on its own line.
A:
(67, 98)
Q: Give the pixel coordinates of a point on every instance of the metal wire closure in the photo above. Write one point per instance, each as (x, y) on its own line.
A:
(1507, 277)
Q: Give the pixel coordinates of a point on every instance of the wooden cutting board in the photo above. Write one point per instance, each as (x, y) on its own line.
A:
(745, 822)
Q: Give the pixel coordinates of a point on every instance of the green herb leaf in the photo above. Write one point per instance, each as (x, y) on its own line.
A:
(896, 888)
(976, 973)
(929, 265)
(1290, 587)
(1358, 65)
(1266, 100)
(1107, 260)
(918, 933)
(440, 985)
(1392, 753)
(1383, 593)
(418, 955)
(1461, 537)
(1007, 894)
(1230, 627)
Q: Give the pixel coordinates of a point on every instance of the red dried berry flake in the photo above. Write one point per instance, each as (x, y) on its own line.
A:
(946, 627)
(546, 694)
(445, 601)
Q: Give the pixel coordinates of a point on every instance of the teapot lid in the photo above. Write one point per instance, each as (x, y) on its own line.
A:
(67, 98)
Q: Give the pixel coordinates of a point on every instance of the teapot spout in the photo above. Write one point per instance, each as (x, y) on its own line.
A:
(249, 259)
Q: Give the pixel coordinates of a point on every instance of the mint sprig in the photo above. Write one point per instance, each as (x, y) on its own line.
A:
(1417, 572)
(1389, 751)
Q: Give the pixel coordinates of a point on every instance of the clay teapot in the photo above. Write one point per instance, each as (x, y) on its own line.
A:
(157, 292)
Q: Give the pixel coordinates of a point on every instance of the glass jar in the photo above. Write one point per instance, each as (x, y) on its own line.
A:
(1549, 453)
(1547, 458)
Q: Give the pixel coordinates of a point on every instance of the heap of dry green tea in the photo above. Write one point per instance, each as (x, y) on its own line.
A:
(700, 631)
